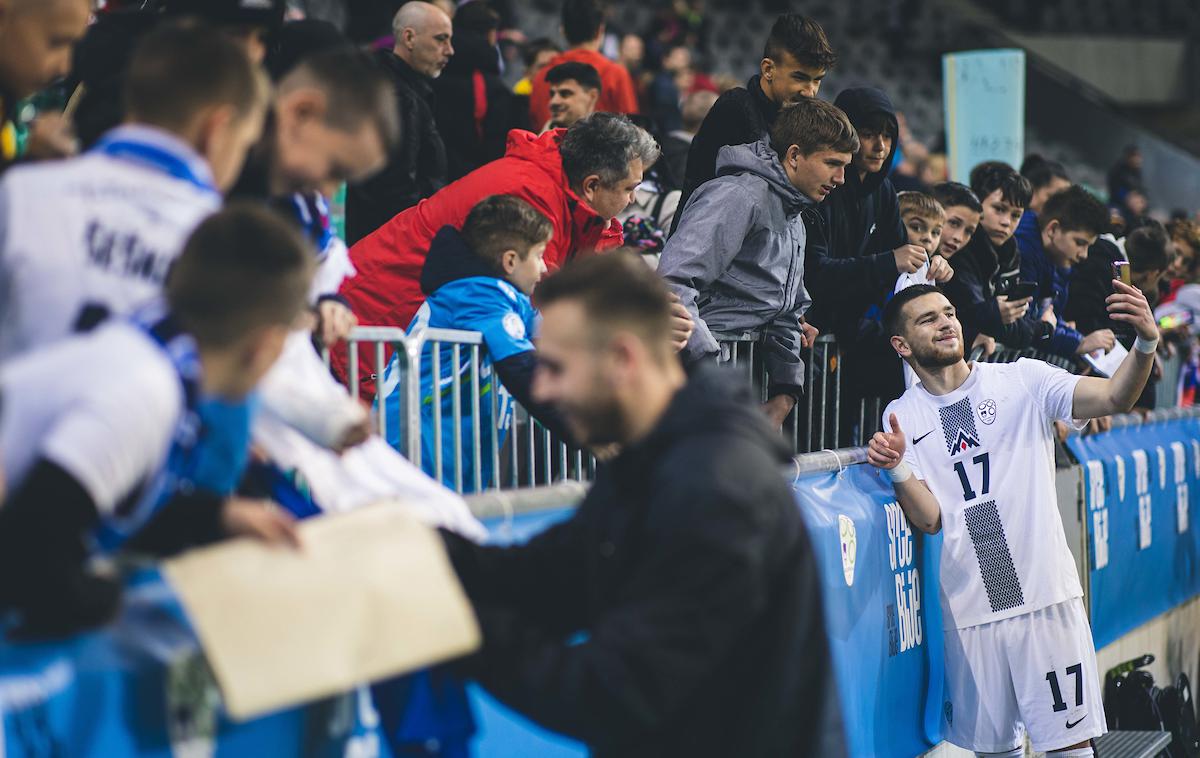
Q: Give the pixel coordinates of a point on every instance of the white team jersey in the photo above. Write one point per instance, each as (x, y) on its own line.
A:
(104, 406)
(985, 450)
(93, 235)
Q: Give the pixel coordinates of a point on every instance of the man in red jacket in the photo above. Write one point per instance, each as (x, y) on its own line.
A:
(583, 27)
(579, 178)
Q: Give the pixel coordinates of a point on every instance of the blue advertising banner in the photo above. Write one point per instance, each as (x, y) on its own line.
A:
(127, 690)
(1142, 493)
(984, 99)
(140, 688)
(880, 579)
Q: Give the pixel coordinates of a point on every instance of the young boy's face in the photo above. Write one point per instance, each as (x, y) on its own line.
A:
(1066, 247)
(525, 273)
(874, 150)
(1000, 218)
(924, 232)
(960, 226)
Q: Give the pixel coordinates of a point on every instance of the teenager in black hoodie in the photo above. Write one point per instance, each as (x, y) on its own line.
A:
(795, 60)
(857, 246)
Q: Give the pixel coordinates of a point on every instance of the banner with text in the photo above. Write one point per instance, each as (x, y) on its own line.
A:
(880, 579)
(984, 99)
(1142, 494)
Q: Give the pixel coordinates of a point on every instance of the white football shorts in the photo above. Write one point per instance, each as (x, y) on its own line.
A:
(1034, 673)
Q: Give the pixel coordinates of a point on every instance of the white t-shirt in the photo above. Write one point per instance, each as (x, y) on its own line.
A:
(93, 233)
(985, 451)
(104, 406)
(903, 282)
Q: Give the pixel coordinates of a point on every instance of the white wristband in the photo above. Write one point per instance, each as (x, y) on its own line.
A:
(900, 473)
(1145, 346)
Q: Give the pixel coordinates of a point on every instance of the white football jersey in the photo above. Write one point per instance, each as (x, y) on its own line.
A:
(985, 450)
(94, 235)
(103, 406)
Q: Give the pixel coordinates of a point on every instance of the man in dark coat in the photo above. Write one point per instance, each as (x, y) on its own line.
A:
(678, 612)
(795, 60)
(417, 168)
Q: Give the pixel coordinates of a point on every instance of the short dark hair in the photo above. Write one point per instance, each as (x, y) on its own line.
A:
(804, 38)
(535, 47)
(358, 92)
(1148, 248)
(242, 269)
(605, 144)
(1041, 172)
(502, 222)
(182, 68)
(990, 176)
(581, 20)
(813, 125)
(587, 75)
(1076, 209)
(893, 312)
(617, 291)
(951, 194)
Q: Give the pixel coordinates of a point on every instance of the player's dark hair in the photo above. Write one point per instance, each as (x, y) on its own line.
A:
(813, 125)
(1076, 209)
(617, 291)
(503, 222)
(581, 20)
(182, 68)
(1148, 248)
(242, 269)
(803, 38)
(893, 312)
(990, 176)
(950, 194)
(586, 75)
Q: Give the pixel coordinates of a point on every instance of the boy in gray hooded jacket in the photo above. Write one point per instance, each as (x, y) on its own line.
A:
(737, 258)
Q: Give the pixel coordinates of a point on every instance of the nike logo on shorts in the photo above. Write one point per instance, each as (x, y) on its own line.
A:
(917, 440)
(1073, 724)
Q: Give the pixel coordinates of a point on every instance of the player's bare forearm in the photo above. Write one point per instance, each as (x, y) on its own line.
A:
(1103, 397)
(919, 505)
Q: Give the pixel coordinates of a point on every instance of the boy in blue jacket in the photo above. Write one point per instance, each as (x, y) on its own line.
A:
(480, 280)
(1068, 225)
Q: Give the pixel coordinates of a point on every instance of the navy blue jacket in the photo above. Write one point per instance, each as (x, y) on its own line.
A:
(1053, 284)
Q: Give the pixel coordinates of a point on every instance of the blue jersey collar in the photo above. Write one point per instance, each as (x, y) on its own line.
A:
(160, 151)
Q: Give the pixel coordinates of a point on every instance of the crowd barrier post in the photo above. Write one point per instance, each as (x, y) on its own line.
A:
(815, 422)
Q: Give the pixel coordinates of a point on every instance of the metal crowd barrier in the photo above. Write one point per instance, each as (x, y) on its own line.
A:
(1004, 354)
(481, 456)
(528, 456)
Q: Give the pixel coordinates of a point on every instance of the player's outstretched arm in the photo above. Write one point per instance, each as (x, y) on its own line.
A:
(1103, 397)
(886, 451)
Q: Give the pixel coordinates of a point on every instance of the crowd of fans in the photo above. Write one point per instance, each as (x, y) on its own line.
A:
(173, 282)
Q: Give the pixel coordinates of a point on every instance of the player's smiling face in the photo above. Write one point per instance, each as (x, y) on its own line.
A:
(932, 335)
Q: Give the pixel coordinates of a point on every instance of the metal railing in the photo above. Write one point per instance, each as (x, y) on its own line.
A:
(435, 376)
(821, 420)
(424, 379)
